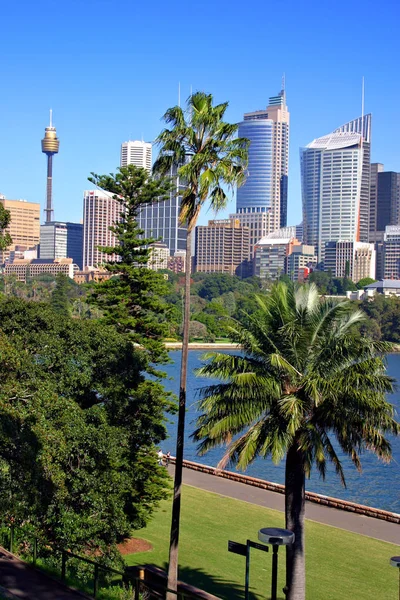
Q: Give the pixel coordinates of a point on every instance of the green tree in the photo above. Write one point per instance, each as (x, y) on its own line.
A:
(132, 300)
(364, 282)
(5, 218)
(321, 279)
(59, 297)
(216, 284)
(209, 157)
(79, 423)
(306, 376)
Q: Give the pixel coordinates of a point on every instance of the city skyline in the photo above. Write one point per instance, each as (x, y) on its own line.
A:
(324, 86)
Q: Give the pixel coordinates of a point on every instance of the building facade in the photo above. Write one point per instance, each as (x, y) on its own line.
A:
(355, 260)
(257, 223)
(376, 168)
(223, 246)
(136, 153)
(25, 268)
(266, 186)
(336, 186)
(62, 240)
(24, 226)
(159, 256)
(391, 252)
(100, 211)
(270, 256)
(300, 262)
(388, 197)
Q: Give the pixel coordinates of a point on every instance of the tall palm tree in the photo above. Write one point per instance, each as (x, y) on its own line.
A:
(208, 157)
(305, 377)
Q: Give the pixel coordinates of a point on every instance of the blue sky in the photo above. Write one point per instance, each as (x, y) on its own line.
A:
(110, 69)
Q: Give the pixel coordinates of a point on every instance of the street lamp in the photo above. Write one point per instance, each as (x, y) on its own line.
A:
(276, 537)
(395, 562)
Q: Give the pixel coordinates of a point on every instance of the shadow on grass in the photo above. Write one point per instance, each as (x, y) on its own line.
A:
(222, 587)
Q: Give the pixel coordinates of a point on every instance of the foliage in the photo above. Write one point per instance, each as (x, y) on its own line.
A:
(306, 376)
(360, 285)
(78, 426)
(5, 218)
(385, 313)
(59, 297)
(133, 300)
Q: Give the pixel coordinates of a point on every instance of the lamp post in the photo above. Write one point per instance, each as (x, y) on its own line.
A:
(276, 537)
(395, 562)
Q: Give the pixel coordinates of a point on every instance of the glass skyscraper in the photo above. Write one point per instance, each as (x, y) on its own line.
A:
(62, 240)
(265, 189)
(335, 186)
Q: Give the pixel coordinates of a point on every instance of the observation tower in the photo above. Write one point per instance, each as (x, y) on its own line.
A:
(50, 146)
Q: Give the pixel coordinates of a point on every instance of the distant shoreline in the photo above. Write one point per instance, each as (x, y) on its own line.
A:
(227, 346)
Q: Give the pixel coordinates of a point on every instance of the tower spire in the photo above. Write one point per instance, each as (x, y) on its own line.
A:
(50, 147)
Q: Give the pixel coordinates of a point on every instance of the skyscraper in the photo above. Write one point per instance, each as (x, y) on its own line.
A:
(376, 168)
(50, 147)
(62, 240)
(136, 153)
(100, 211)
(24, 226)
(265, 189)
(336, 186)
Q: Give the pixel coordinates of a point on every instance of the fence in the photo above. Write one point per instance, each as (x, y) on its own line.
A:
(142, 588)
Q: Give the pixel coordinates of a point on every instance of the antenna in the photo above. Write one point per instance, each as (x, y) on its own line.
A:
(362, 110)
(51, 117)
(283, 82)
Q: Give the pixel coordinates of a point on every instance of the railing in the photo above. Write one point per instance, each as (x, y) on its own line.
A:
(141, 588)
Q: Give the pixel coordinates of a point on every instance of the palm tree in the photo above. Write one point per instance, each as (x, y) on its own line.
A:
(305, 376)
(208, 158)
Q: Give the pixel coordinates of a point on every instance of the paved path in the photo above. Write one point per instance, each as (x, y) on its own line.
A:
(22, 581)
(375, 528)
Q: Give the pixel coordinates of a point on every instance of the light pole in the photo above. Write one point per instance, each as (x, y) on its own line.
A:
(395, 562)
(276, 537)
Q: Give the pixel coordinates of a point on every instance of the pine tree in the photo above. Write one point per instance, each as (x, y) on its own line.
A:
(132, 300)
(59, 296)
(5, 218)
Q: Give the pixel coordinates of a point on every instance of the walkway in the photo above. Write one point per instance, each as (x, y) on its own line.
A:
(375, 528)
(22, 581)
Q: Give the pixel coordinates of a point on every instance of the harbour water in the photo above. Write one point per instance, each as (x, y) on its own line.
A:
(378, 485)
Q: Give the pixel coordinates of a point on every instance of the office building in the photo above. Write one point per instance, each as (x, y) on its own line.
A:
(335, 186)
(391, 252)
(50, 147)
(270, 256)
(62, 240)
(160, 220)
(355, 260)
(265, 189)
(100, 211)
(159, 256)
(177, 263)
(376, 168)
(300, 262)
(24, 226)
(388, 196)
(223, 246)
(257, 223)
(25, 268)
(136, 153)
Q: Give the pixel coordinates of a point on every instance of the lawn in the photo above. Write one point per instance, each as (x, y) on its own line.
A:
(340, 565)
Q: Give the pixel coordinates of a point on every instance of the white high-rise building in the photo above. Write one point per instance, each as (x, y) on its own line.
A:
(335, 173)
(100, 211)
(136, 153)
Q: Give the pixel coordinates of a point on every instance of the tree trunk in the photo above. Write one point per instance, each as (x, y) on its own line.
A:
(176, 504)
(294, 515)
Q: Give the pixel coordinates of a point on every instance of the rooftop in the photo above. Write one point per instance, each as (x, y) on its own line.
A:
(393, 284)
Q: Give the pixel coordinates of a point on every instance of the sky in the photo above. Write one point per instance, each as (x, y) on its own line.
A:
(110, 69)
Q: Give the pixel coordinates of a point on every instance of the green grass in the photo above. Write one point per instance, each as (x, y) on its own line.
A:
(340, 565)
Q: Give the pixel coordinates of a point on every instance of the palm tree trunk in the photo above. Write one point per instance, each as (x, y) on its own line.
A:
(294, 515)
(176, 504)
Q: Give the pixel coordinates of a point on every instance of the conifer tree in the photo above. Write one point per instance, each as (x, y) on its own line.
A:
(59, 296)
(132, 300)
(5, 218)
